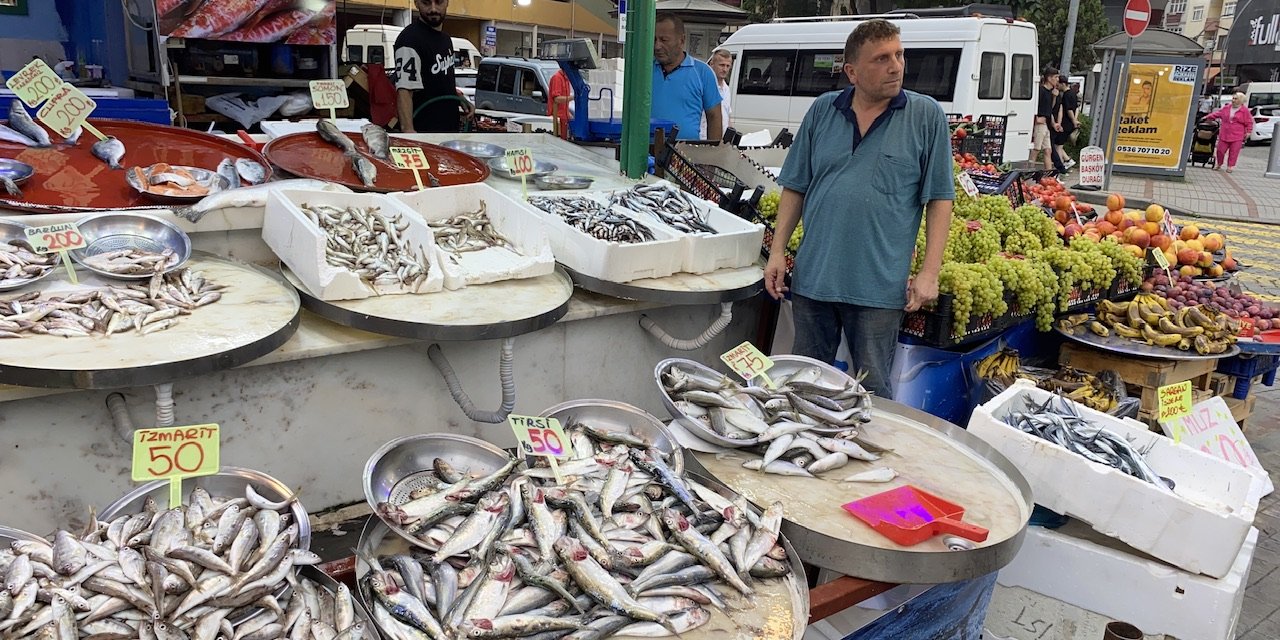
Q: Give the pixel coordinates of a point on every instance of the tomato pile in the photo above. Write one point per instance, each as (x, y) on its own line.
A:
(1045, 192)
(969, 163)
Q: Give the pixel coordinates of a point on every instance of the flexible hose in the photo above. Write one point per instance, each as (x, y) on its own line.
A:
(716, 328)
(164, 405)
(506, 371)
(120, 416)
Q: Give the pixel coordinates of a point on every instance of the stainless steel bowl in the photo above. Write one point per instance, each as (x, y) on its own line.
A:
(210, 179)
(9, 535)
(498, 166)
(10, 230)
(321, 578)
(787, 365)
(16, 170)
(556, 183)
(115, 231)
(475, 148)
(400, 466)
(611, 415)
(695, 425)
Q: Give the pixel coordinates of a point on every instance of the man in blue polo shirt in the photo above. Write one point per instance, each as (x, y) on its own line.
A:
(684, 88)
(865, 163)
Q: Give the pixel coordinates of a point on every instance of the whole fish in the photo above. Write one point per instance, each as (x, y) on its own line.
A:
(365, 170)
(252, 197)
(475, 528)
(21, 121)
(514, 626)
(779, 467)
(227, 170)
(879, 474)
(11, 187)
(110, 151)
(217, 17)
(74, 138)
(600, 585)
(828, 462)
(329, 132)
(250, 171)
(7, 134)
(708, 552)
(377, 140)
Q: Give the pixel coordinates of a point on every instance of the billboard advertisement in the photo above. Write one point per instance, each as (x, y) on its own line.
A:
(1153, 118)
(282, 21)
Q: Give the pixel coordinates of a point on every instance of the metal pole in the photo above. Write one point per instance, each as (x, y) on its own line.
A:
(1069, 41)
(1117, 110)
(637, 88)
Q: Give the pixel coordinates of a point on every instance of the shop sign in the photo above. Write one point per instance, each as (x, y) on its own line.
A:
(1210, 428)
(1093, 160)
(1264, 31)
(1153, 122)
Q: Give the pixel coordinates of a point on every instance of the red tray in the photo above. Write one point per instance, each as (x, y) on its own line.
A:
(69, 178)
(307, 156)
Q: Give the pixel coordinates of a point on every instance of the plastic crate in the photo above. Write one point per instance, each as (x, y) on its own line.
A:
(934, 326)
(991, 138)
(767, 242)
(1084, 298)
(1009, 184)
(1246, 368)
(1123, 289)
(681, 171)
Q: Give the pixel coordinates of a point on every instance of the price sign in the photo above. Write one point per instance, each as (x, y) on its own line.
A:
(747, 361)
(1174, 400)
(329, 94)
(542, 437)
(520, 161)
(966, 183)
(174, 453)
(67, 110)
(1247, 328)
(57, 237)
(411, 158)
(1210, 428)
(1162, 261)
(34, 83)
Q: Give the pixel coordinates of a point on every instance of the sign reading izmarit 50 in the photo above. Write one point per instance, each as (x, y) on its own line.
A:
(1153, 118)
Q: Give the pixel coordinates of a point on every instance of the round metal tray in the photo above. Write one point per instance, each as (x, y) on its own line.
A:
(696, 426)
(478, 312)
(13, 230)
(16, 170)
(9, 535)
(725, 285)
(211, 179)
(612, 415)
(498, 166)
(105, 232)
(371, 631)
(475, 148)
(1128, 347)
(932, 454)
(554, 183)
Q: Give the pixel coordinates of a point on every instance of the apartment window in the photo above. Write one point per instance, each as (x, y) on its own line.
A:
(991, 77)
(1197, 14)
(1176, 7)
(1229, 8)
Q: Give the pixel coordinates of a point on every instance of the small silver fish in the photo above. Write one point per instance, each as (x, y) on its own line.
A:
(365, 170)
(110, 151)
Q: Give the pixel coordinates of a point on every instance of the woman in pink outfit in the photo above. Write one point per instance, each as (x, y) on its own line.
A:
(1237, 123)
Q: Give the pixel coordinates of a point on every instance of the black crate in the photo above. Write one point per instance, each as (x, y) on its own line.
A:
(1085, 298)
(767, 242)
(1007, 184)
(687, 174)
(991, 138)
(934, 326)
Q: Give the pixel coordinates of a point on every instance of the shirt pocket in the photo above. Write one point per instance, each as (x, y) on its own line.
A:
(896, 174)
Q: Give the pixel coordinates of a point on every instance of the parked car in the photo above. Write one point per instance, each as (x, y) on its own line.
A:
(1264, 122)
(466, 82)
(517, 85)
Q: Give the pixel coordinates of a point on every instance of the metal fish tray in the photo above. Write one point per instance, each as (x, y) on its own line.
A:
(16, 170)
(475, 148)
(398, 467)
(612, 415)
(211, 179)
(9, 535)
(787, 365)
(117, 231)
(699, 428)
(554, 183)
(11, 230)
(371, 631)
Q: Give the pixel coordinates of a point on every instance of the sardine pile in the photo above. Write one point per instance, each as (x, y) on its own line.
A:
(1057, 421)
(594, 218)
(19, 263)
(802, 427)
(132, 261)
(471, 231)
(627, 547)
(188, 573)
(673, 207)
(145, 308)
(368, 243)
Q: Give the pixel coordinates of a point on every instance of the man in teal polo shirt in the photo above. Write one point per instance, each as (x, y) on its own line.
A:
(684, 88)
(865, 163)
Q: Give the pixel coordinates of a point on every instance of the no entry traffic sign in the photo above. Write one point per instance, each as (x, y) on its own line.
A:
(1137, 14)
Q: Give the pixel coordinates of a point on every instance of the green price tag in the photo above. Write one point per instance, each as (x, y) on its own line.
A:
(748, 361)
(174, 453)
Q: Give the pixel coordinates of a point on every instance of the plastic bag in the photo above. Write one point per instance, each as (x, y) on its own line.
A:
(246, 113)
(295, 104)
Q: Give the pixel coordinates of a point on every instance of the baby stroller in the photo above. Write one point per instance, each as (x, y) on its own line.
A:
(1204, 139)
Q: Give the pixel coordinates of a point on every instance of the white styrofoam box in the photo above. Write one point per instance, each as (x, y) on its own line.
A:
(300, 244)
(1064, 583)
(1198, 526)
(736, 245)
(517, 222)
(606, 260)
(277, 128)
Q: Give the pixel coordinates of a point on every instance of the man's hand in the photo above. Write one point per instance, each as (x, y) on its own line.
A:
(922, 290)
(775, 275)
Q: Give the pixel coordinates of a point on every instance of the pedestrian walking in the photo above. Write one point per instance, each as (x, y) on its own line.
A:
(721, 62)
(1041, 135)
(1067, 121)
(1237, 123)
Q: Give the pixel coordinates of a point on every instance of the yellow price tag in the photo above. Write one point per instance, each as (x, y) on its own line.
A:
(174, 453)
(748, 361)
(1174, 401)
(329, 94)
(34, 83)
(542, 437)
(62, 238)
(1162, 261)
(67, 110)
(520, 161)
(411, 158)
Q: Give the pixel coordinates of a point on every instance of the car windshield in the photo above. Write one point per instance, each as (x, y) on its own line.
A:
(467, 81)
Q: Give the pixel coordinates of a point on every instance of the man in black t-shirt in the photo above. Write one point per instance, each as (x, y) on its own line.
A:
(1041, 134)
(424, 71)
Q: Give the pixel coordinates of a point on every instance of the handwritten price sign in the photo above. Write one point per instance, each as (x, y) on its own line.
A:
(542, 437)
(1174, 400)
(57, 237)
(520, 161)
(66, 110)
(747, 361)
(966, 183)
(411, 158)
(34, 83)
(1210, 428)
(174, 453)
(329, 94)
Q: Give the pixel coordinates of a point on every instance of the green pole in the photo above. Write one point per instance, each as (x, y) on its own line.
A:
(637, 88)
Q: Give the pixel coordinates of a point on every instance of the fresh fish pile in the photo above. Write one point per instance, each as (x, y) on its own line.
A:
(22, 122)
(132, 261)
(803, 426)
(472, 231)
(255, 196)
(594, 218)
(628, 547)
(145, 308)
(19, 263)
(671, 206)
(1057, 421)
(368, 243)
(178, 574)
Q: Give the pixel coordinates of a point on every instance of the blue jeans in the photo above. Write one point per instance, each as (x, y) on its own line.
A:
(872, 334)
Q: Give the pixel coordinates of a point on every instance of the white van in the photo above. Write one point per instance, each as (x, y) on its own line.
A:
(971, 65)
(1261, 93)
(375, 43)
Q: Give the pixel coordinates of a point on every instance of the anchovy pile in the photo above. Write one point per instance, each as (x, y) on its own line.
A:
(671, 206)
(594, 218)
(368, 243)
(627, 546)
(802, 427)
(145, 308)
(1057, 421)
(132, 261)
(19, 263)
(471, 231)
(188, 573)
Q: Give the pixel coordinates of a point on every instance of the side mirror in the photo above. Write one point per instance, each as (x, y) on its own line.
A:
(538, 95)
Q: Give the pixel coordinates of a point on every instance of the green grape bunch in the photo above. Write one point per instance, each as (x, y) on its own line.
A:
(768, 205)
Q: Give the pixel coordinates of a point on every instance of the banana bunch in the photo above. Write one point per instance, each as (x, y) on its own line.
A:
(1001, 366)
(1085, 388)
(1148, 318)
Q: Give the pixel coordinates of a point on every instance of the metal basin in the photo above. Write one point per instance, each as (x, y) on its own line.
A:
(116, 231)
(210, 179)
(611, 415)
(475, 148)
(16, 170)
(787, 365)
(11, 230)
(557, 183)
(498, 166)
(10, 535)
(321, 578)
(695, 425)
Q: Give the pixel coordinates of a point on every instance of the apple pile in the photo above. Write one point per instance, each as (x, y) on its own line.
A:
(1046, 192)
(1183, 291)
